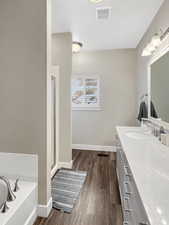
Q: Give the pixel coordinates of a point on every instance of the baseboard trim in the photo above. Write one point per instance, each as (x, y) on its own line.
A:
(44, 210)
(94, 148)
(65, 164)
(32, 217)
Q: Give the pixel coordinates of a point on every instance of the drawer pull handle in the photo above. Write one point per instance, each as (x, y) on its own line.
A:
(126, 172)
(126, 189)
(126, 207)
(144, 223)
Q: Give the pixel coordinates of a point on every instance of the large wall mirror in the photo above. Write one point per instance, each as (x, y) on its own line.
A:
(159, 87)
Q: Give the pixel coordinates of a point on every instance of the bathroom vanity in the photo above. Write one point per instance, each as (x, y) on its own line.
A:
(143, 176)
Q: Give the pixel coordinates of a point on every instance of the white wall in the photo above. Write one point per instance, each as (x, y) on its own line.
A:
(117, 72)
(23, 70)
(62, 56)
(161, 21)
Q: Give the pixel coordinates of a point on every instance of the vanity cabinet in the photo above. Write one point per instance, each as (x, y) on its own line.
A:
(133, 209)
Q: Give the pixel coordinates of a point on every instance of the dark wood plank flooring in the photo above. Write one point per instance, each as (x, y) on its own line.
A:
(99, 202)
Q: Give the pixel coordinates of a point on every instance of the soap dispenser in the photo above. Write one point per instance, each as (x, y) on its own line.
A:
(162, 133)
(164, 137)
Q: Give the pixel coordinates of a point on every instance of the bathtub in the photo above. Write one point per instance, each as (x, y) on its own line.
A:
(3, 192)
(23, 210)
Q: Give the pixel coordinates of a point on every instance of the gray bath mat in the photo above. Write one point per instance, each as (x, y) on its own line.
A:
(66, 187)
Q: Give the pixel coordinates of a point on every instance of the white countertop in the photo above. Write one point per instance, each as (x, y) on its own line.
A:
(149, 163)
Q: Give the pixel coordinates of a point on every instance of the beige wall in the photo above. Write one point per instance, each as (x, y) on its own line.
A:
(62, 56)
(161, 21)
(117, 72)
(23, 69)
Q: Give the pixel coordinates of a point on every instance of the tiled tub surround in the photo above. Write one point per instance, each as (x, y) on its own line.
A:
(23, 210)
(23, 166)
(148, 160)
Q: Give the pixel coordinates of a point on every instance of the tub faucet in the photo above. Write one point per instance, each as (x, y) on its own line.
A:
(16, 188)
(4, 208)
(11, 197)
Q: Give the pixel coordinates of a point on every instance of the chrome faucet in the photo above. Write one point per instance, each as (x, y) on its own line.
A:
(16, 187)
(11, 197)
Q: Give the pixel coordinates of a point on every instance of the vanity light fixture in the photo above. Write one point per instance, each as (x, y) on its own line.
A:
(76, 46)
(152, 46)
(155, 42)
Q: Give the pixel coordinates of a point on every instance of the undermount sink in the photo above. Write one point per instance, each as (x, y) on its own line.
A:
(138, 135)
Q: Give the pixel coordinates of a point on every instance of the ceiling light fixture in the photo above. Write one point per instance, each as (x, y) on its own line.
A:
(96, 1)
(76, 46)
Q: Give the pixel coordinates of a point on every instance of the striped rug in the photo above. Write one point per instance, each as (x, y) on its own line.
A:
(66, 187)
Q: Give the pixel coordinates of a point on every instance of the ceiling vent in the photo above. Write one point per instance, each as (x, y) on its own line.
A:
(103, 13)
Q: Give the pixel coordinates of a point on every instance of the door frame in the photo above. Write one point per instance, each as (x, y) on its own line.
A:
(54, 72)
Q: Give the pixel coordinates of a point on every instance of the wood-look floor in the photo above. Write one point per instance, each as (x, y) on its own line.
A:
(99, 202)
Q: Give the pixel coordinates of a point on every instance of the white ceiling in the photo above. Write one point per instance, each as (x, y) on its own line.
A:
(129, 21)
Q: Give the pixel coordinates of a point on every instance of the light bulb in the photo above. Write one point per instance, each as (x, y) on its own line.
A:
(76, 47)
(156, 40)
(146, 52)
(150, 48)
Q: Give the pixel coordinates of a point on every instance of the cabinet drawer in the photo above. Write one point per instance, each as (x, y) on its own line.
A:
(141, 215)
(128, 214)
(140, 212)
(133, 209)
(120, 153)
(127, 173)
(127, 189)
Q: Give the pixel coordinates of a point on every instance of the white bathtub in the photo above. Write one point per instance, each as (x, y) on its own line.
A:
(3, 192)
(22, 211)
